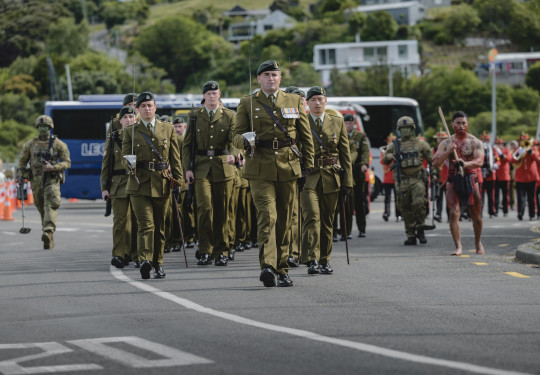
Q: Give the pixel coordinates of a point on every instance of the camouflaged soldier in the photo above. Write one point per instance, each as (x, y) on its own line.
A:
(114, 179)
(48, 157)
(273, 165)
(407, 154)
(211, 169)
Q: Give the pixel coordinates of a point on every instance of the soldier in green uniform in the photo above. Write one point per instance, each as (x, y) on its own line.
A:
(332, 174)
(157, 152)
(48, 157)
(410, 178)
(360, 166)
(113, 187)
(273, 165)
(212, 172)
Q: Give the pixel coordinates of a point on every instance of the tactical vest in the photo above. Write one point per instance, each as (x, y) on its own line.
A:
(40, 153)
(409, 153)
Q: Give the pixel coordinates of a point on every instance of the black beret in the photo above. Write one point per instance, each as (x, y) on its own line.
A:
(299, 92)
(144, 97)
(317, 90)
(126, 111)
(268, 66)
(178, 120)
(210, 86)
(291, 89)
(348, 117)
(129, 98)
(165, 118)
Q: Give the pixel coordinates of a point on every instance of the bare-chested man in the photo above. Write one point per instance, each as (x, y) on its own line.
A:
(462, 190)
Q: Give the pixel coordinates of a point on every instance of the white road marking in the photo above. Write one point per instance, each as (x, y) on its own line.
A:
(311, 335)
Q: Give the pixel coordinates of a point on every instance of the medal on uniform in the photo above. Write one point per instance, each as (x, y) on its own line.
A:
(290, 113)
(334, 138)
(165, 142)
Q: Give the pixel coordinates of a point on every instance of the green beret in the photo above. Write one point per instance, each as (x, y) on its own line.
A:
(291, 89)
(129, 98)
(268, 66)
(317, 90)
(178, 120)
(348, 117)
(126, 111)
(144, 97)
(210, 86)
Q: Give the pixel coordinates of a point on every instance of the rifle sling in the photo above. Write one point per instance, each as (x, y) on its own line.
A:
(323, 145)
(156, 152)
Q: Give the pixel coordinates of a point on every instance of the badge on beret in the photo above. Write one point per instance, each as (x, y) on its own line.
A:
(147, 97)
(213, 86)
(276, 64)
(290, 113)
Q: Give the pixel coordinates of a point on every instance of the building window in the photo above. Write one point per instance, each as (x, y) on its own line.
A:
(369, 54)
(268, 27)
(381, 53)
(402, 51)
(322, 57)
(332, 56)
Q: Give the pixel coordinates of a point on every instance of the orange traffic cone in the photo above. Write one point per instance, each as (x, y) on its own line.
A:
(7, 211)
(73, 200)
(2, 198)
(30, 199)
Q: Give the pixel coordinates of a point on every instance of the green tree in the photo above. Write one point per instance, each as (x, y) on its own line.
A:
(379, 26)
(524, 29)
(533, 77)
(20, 84)
(460, 21)
(301, 74)
(495, 15)
(17, 107)
(66, 38)
(12, 136)
(187, 51)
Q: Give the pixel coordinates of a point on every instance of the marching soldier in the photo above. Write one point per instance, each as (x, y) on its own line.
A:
(410, 177)
(503, 156)
(442, 178)
(113, 186)
(360, 167)
(209, 162)
(48, 157)
(274, 165)
(332, 173)
(157, 153)
(525, 159)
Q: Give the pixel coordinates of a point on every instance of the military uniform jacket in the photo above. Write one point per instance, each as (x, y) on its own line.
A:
(360, 142)
(118, 182)
(268, 164)
(32, 152)
(335, 137)
(413, 152)
(164, 139)
(215, 136)
(180, 139)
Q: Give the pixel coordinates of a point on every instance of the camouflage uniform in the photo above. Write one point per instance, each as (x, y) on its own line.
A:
(46, 198)
(412, 187)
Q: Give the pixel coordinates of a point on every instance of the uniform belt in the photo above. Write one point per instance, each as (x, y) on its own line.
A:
(327, 161)
(119, 172)
(151, 166)
(274, 144)
(212, 152)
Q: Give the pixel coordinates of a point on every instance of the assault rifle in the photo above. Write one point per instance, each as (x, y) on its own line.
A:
(397, 164)
(112, 138)
(45, 157)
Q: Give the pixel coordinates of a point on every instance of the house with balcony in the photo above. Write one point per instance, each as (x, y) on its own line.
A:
(405, 13)
(397, 54)
(256, 22)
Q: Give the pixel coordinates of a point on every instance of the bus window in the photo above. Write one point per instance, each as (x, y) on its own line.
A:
(82, 124)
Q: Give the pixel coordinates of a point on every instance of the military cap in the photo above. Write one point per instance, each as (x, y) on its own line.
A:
(44, 120)
(291, 89)
(126, 111)
(348, 117)
(268, 66)
(499, 141)
(299, 92)
(165, 118)
(484, 136)
(144, 97)
(317, 90)
(210, 86)
(178, 120)
(129, 98)
(405, 121)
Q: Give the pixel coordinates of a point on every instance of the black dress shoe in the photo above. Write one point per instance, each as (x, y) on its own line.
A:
(267, 278)
(343, 238)
(254, 244)
(246, 245)
(325, 269)
(283, 280)
(291, 261)
(437, 218)
(334, 238)
(313, 267)
(146, 267)
(361, 234)
(421, 236)
(385, 216)
(239, 247)
(159, 273)
(137, 264)
(204, 260)
(410, 241)
(167, 250)
(221, 260)
(118, 262)
(176, 248)
(231, 254)
(127, 259)
(189, 244)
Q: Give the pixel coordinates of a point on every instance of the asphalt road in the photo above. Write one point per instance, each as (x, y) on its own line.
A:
(393, 310)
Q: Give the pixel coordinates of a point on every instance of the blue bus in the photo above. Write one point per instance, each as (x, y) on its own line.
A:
(83, 125)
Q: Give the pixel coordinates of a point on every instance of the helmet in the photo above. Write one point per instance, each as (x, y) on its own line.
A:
(44, 120)
(405, 121)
